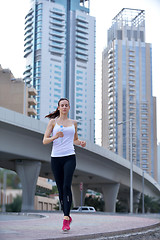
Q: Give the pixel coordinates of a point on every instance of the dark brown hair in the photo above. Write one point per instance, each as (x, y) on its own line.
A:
(56, 113)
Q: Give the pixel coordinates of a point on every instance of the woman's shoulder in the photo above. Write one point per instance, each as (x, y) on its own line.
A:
(52, 122)
(74, 122)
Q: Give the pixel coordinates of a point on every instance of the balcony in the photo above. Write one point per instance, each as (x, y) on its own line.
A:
(111, 90)
(83, 46)
(110, 112)
(29, 14)
(110, 56)
(32, 101)
(28, 34)
(81, 40)
(31, 111)
(57, 28)
(28, 69)
(82, 57)
(57, 12)
(82, 19)
(110, 107)
(32, 91)
(27, 52)
(131, 93)
(110, 117)
(82, 52)
(57, 23)
(110, 94)
(110, 50)
(82, 25)
(131, 59)
(82, 30)
(28, 44)
(82, 35)
(110, 84)
(131, 64)
(132, 83)
(110, 70)
(57, 45)
(57, 39)
(57, 50)
(58, 17)
(57, 34)
(110, 65)
(131, 53)
(27, 75)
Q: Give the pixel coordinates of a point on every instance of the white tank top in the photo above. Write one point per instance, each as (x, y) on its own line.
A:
(63, 146)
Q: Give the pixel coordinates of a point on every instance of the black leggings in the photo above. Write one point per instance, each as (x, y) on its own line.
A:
(63, 169)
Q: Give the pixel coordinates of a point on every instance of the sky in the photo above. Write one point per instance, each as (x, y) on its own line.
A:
(12, 17)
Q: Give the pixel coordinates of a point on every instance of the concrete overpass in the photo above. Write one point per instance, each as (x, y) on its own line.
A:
(21, 150)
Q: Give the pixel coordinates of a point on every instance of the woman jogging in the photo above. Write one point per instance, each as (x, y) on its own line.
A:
(63, 159)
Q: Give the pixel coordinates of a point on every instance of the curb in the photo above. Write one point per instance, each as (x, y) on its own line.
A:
(118, 234)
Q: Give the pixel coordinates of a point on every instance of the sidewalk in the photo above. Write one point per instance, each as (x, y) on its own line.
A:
(84, 226)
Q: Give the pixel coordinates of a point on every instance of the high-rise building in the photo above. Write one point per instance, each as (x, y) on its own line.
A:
(127, 91)
(60, 58)
(15, 95)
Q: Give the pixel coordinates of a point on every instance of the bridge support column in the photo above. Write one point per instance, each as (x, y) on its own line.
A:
(77, 194)
(110, 192)
(28, 172)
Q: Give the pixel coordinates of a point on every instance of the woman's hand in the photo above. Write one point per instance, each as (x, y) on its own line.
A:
(82, 143)
(47, 136)
(59, 134)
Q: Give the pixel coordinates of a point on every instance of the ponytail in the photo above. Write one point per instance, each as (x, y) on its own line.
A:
(56, 113)
(53, 114)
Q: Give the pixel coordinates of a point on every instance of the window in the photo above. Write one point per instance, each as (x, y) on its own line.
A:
(142, 36)
(38, 46)
(39, 6)
(79, 83)
(59, 67)
(79, 95)
(135, 35)
(119, 34)
(78, 100)
(58, 90)
(79, 89)
(57, 72)
(129, 34)
(39, 23)
(144, 166)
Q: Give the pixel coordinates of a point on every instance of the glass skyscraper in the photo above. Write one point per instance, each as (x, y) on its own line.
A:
(60, 59)
(127, 91)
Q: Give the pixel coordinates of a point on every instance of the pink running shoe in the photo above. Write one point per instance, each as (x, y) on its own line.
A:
(70, 220)
(66, 226)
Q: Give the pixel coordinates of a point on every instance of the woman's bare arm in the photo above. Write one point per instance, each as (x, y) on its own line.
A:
(47, 136)
(76, 140)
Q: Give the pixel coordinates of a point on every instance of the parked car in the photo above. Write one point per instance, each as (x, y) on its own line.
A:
(84, 209)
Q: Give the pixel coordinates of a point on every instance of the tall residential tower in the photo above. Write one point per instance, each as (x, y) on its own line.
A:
(127, 91)
(60, 58)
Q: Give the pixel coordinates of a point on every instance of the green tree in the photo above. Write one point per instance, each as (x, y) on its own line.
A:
(15, 206)
(120, 207)
(96, 202)
(150, 204)
(13, 180)
(54, 190)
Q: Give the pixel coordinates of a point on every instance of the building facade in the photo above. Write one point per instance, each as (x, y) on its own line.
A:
(127, 92)
(15, 95)
(60, 59)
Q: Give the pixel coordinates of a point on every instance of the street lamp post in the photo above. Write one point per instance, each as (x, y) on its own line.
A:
(131, 163)
(143, 192)
(4, 191)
